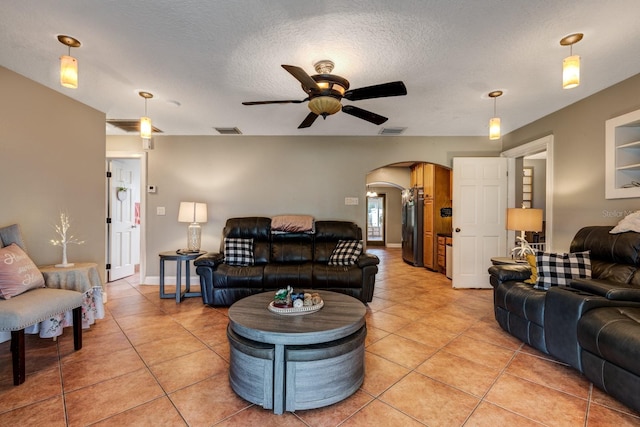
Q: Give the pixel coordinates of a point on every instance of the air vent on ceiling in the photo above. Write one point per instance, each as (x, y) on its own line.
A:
(129, 125)
(228, 131)
(392, 131)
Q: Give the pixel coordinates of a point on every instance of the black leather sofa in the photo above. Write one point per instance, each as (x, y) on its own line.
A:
(298, 259)
(592, 324)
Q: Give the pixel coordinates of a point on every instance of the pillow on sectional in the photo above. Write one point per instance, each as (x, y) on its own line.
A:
(238, 252)
(346, 252)
(531, 259)
(630, 222)
(18, 273)
(559, 269)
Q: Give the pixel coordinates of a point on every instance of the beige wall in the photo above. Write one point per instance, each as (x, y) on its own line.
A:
(52, 150)
(579, 159)
(266, 176)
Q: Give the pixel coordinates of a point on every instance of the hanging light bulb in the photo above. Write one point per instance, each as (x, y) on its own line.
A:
(68, 64)
(145, 121)
(571, 64)
(494, 122)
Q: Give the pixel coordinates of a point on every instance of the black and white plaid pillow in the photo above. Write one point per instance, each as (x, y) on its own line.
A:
(238, 252)
(346, 253)
(559, 269)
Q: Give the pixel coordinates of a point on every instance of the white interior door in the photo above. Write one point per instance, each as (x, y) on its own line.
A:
(124, 232)
(479, 209)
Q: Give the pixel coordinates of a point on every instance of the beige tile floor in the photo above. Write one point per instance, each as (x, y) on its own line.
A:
(434, 356)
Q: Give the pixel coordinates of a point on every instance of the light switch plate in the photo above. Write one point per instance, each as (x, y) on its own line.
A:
(160, 210)
(151, 188)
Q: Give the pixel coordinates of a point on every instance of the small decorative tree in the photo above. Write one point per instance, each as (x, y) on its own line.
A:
(64, 240)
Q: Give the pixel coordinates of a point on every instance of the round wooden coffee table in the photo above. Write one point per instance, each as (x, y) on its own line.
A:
(304, 361)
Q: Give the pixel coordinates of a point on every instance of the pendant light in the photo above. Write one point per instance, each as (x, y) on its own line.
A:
(494, 123)
(69, 64)
(145, 121)
(571, 64)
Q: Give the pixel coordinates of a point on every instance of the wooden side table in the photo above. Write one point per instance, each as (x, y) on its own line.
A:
(179, 295)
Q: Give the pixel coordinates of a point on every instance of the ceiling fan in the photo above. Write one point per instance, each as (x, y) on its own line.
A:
(326, 90)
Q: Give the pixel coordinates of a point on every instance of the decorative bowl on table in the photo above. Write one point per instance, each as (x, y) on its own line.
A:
(288, 301)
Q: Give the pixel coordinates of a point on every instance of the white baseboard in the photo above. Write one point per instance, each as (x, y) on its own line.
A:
(393, 245)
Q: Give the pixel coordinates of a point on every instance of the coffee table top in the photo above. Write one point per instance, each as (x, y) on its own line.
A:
(341, 316)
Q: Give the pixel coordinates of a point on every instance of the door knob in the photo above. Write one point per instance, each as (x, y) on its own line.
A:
(457, 230)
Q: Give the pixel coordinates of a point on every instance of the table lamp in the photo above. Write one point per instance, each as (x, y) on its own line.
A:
(194, 213)
(523, 219)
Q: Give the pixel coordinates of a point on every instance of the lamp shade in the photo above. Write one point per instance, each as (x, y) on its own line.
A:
(521, 219)
(494, 128)
(571, 72)
(69, 71)
(192, 212)
(145, 128)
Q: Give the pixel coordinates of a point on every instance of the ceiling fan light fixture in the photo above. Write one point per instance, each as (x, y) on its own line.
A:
(325, 105)
(571, 64)
(69, 64)
(325, 91)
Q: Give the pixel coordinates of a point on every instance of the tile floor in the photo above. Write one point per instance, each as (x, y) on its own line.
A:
(434, 356)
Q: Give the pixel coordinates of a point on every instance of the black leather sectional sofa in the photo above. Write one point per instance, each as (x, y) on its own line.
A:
(297, 259)
(593, 324)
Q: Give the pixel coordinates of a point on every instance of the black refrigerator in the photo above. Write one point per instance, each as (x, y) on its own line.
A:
(412, 212)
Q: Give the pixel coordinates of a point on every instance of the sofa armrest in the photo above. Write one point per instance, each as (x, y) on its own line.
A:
(366, 259)
(506, 272)
(210, 259)
(563, 308)
(614, 291)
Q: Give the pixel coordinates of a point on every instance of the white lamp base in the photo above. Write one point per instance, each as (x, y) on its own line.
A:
(520, 252)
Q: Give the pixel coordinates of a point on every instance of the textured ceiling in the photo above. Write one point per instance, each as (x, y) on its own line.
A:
(202, 58)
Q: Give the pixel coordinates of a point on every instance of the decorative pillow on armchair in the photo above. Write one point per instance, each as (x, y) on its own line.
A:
(559, 269)
(346, 253)
(18, 273)
(238, 252)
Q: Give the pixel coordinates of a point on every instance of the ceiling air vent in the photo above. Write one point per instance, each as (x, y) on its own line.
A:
(129, 125)
(392, 131)
(228, 131)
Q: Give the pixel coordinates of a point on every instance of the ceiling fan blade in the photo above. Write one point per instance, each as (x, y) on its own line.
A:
(287, 101)
(377, 91)
(308, 121)
(307, 82)
(364, 114)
